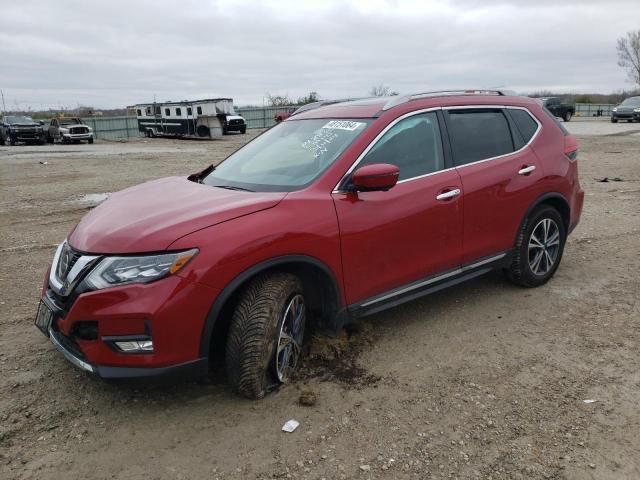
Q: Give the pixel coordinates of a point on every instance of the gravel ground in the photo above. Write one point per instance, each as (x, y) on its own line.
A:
(484, 380)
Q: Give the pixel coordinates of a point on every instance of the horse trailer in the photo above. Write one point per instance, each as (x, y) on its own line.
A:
(209, 118)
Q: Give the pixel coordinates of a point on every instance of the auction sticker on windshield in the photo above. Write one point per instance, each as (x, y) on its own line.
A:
(343, 125)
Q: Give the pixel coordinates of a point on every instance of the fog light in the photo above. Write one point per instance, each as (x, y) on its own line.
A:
(135, 346)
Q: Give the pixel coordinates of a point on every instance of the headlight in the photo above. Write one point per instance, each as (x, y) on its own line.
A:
(90, 129)
(614, 109)
(112, 271)
(63, 130)
(636, 110)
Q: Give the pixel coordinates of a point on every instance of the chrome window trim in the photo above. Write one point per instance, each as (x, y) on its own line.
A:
(456, 107)
(504, 107)
(376, 139)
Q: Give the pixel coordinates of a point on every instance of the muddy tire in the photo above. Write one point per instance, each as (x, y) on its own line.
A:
(255, 333)
(539, 247)
(567, 116)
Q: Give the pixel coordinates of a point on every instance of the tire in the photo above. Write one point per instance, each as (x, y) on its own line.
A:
(567, 116)
(9, 141)
(90, 141)
(522, 270)
(243, 130)
(260, 317)
(614, 120)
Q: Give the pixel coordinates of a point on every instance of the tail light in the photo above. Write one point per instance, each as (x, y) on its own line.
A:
(571, 147)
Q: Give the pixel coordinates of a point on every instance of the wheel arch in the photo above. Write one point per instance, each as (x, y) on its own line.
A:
(554, 199)
(326, 301)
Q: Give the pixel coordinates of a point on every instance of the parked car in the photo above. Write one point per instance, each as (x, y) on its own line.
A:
(338, 212)
(628, 110)
(21, 128)
(283, 115)
(562, 110)
(69, 130)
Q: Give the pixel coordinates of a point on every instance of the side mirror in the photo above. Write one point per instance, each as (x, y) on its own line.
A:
(375, 177)
(41, 123)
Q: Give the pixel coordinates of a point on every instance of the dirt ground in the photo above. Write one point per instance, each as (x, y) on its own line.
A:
(484, 380)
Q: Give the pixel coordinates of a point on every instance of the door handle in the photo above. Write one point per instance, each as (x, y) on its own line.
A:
(448, 194)
(526, 170)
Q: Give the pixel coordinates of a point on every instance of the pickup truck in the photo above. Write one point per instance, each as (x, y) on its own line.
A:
(69, 130)
(559, 109)
(20, 128)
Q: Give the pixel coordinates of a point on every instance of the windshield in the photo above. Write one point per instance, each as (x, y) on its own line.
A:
(288, 156)
(631, 102)
(69, 121)
(21, 119)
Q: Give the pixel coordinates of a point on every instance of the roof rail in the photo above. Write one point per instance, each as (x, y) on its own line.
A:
(321, 103)
(400, 99)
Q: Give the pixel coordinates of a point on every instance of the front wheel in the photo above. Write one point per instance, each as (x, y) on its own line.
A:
(614, 120)
(538, 248)
(90, 140)
(265, 337)
(567, 116)
(243, 130)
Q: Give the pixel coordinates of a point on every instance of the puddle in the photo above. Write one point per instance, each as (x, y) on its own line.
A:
(91, 199)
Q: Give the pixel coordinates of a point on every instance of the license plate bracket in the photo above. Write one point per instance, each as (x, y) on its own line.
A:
(44, 318)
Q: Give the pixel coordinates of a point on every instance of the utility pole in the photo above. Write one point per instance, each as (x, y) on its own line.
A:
(4, 107)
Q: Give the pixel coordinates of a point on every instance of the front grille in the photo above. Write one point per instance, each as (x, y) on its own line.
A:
(66, 261)
(235, 122)
(78, 130)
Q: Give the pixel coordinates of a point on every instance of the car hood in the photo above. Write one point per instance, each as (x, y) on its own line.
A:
(151, 216)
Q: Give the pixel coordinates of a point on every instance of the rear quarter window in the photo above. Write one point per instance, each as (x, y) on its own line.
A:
(525, 124)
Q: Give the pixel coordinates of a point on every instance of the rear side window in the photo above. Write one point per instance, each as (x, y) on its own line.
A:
(565, 132)
(525, 124)
(479, 134)
(413, 144)
(167, 112)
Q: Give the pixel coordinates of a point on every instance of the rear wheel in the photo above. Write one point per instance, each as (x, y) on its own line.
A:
(265, 337)
(567, 116)
(614, 120)
(539, 248)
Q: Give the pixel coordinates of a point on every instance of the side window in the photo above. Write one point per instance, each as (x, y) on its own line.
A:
(139, 112)
(54, 123)
(148, 109)
(167, 112)
(413, 144)
(189, 112)
(526, 125)
(157, 110)
(178, 112)
(478, 134)
(199, 110)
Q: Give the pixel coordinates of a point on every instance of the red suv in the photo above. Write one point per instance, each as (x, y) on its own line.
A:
(340, 211)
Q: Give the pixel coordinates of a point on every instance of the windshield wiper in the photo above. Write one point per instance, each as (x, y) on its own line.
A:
(231, 187)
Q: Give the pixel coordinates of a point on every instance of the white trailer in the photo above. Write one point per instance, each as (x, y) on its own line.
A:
(208, 118)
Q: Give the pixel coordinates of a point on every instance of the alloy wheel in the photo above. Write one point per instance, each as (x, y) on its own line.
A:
(544, 246)
(290, 338)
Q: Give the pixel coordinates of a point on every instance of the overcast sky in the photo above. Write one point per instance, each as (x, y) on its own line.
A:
(115, 53)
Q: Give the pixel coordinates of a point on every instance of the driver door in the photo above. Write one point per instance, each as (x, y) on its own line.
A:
(392, 238)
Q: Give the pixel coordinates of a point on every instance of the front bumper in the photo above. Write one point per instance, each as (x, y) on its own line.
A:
(27, 136)
(170, 311)
(625, 115)
(195, 368)
(77, 136)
